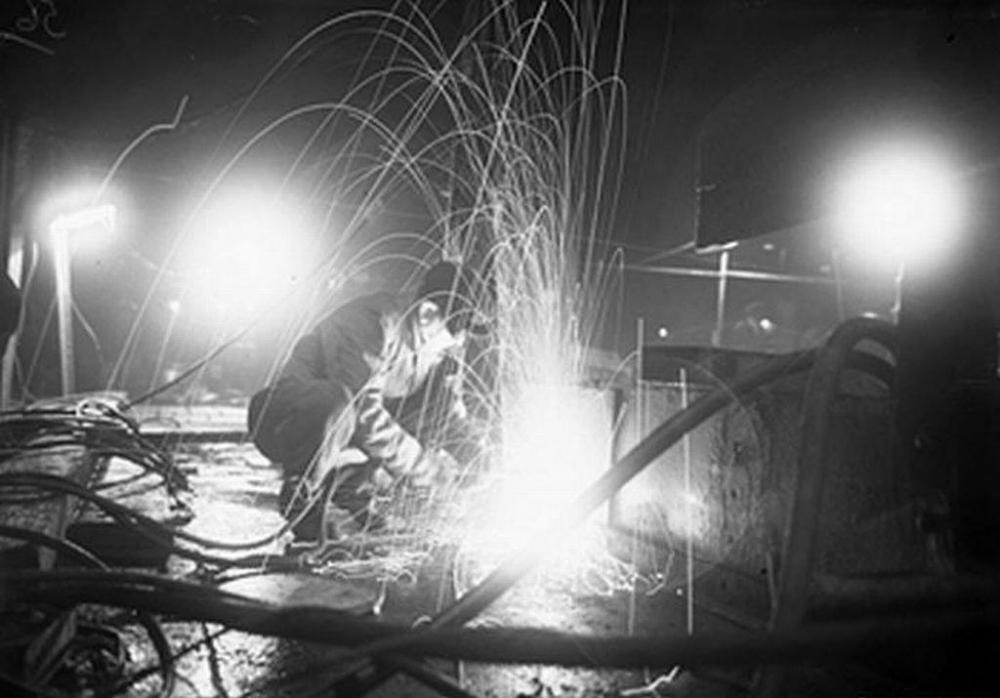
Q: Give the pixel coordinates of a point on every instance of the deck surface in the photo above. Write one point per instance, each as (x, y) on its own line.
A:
(234, 497)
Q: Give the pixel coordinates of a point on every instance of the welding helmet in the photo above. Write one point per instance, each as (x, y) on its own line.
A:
(453, 290)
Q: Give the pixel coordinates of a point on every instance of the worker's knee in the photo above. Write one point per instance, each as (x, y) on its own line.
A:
(287, 421)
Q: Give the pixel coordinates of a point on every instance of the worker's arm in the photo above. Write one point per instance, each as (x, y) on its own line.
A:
(353, 346)
(438, 416)
(382, 437)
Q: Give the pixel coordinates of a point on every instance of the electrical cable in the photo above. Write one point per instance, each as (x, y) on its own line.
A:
(164, 653)
(100, 640)
(60, 545)
(323, 494)
(692, 427)
(156, 532)
(160, 462)
(979, 616)
(153, 629)
(174, 657)
(94, 424)
(152, 530)
(626, 468)
(659, 440)
(95, 452)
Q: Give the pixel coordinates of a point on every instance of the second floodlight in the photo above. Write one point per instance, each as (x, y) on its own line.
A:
(899, 204)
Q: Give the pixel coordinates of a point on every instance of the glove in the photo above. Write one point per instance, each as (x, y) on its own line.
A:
(433, 468)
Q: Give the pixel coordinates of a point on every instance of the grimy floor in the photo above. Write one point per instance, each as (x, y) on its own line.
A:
(234, 497)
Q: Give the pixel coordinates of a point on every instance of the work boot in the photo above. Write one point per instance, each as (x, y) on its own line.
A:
(348, 512)
(292, 500)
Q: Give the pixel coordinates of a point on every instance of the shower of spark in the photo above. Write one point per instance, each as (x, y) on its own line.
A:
(533, 158)
(512, 144)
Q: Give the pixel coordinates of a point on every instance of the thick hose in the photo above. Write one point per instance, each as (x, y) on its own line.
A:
(663, 437)
(153, 629)
(630, 465)
(498, 582)
(802, 527)
(799, 548)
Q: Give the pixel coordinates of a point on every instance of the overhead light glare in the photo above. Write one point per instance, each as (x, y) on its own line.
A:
(899, 203)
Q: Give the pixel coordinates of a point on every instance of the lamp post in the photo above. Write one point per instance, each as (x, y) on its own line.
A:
(64, 227)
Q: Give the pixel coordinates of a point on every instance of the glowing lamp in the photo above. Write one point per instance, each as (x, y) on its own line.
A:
(91, 220)
(899, 204)
(247, 249)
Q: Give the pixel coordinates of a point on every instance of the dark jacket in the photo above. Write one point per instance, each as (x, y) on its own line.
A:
(354, 364)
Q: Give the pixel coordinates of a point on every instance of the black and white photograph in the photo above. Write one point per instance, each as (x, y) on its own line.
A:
(499, 348)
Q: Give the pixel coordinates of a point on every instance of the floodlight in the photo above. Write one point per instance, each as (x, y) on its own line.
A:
(87, 220)
(900, 204)
(247, 250)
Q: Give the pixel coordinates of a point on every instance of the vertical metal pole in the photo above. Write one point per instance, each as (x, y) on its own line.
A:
(640, 428)
(638, 424)
(640, 386)
(17, 274)
(897, 299)
(64, 309)
(689, 505)
(8, 151)
(720, 307)
(175, 309)
(640, 334)
(838, 284)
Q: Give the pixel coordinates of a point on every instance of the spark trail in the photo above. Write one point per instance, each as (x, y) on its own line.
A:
(507, 149)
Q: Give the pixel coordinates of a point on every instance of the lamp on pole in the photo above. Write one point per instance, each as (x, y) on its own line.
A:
(935, 219)
(64, 227)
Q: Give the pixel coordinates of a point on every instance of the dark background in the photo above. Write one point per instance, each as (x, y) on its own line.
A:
(734, 108)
